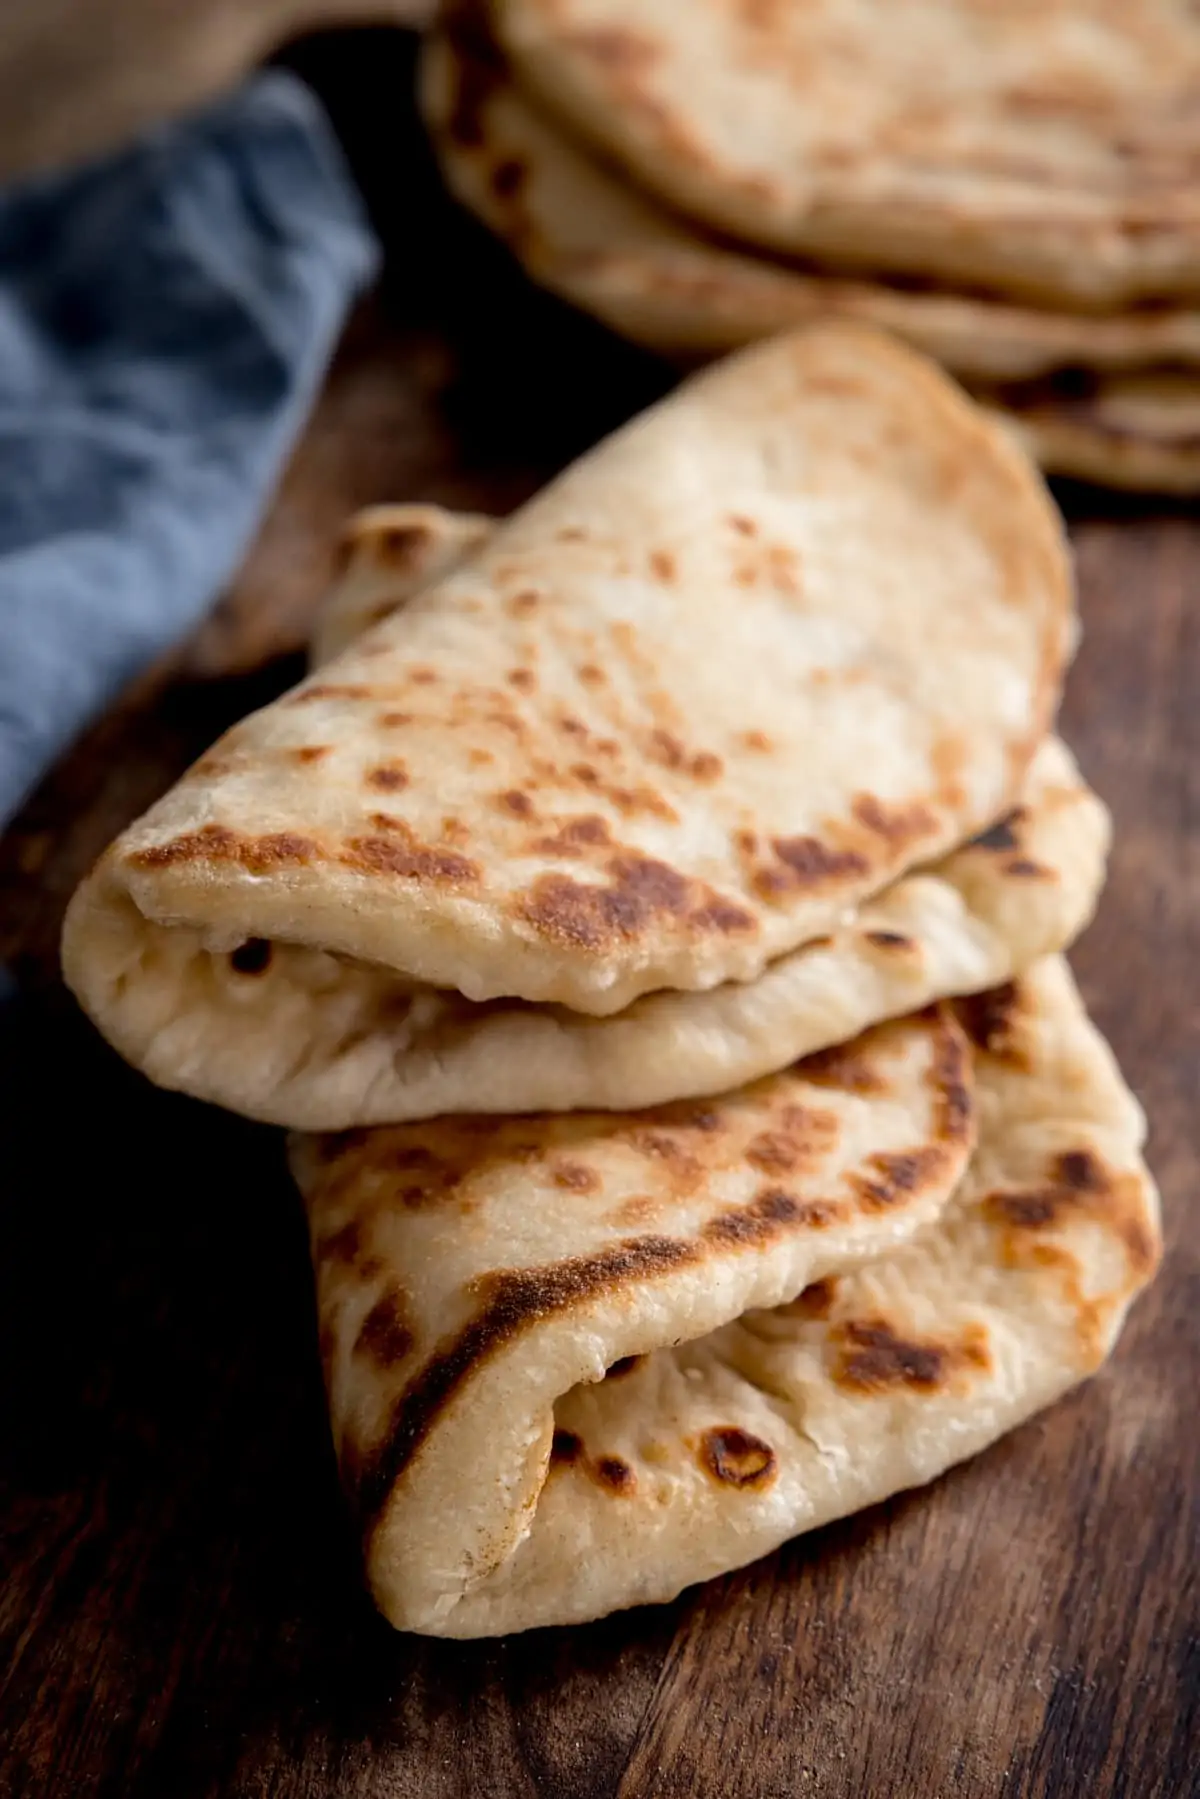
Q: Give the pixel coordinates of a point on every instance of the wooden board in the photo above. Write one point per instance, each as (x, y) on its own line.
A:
(180, 1614)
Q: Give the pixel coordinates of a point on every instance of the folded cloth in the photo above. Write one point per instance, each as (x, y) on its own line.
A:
(165, 317)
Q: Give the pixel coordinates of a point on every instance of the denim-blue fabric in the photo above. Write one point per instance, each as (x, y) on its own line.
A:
(165, 319)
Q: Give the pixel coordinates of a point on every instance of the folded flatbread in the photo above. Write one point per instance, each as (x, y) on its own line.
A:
(793, 631)
(614, 251)
(1139, 430)
(1047, 148)
(971, 921)
(578, 1363)
(320, 1047)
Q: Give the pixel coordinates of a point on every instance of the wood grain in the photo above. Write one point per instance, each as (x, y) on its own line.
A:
(181, 1615)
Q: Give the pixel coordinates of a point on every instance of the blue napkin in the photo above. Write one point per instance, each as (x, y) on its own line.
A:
(165, 317)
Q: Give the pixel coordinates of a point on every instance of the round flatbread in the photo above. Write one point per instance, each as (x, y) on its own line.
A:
(1047, 148)
(612, 250)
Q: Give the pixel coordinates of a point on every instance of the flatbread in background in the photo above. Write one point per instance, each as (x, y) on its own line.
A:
(614, 252)
(611, 250)
(795, 630)
(322, 1046)
(1046, 149)
(1139, 431)
(476, 1282)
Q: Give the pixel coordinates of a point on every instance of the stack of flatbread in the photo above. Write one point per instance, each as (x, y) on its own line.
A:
(1014, 189)
(647, 918)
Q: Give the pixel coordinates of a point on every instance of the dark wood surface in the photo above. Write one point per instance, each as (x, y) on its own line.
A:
(181, 1615)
